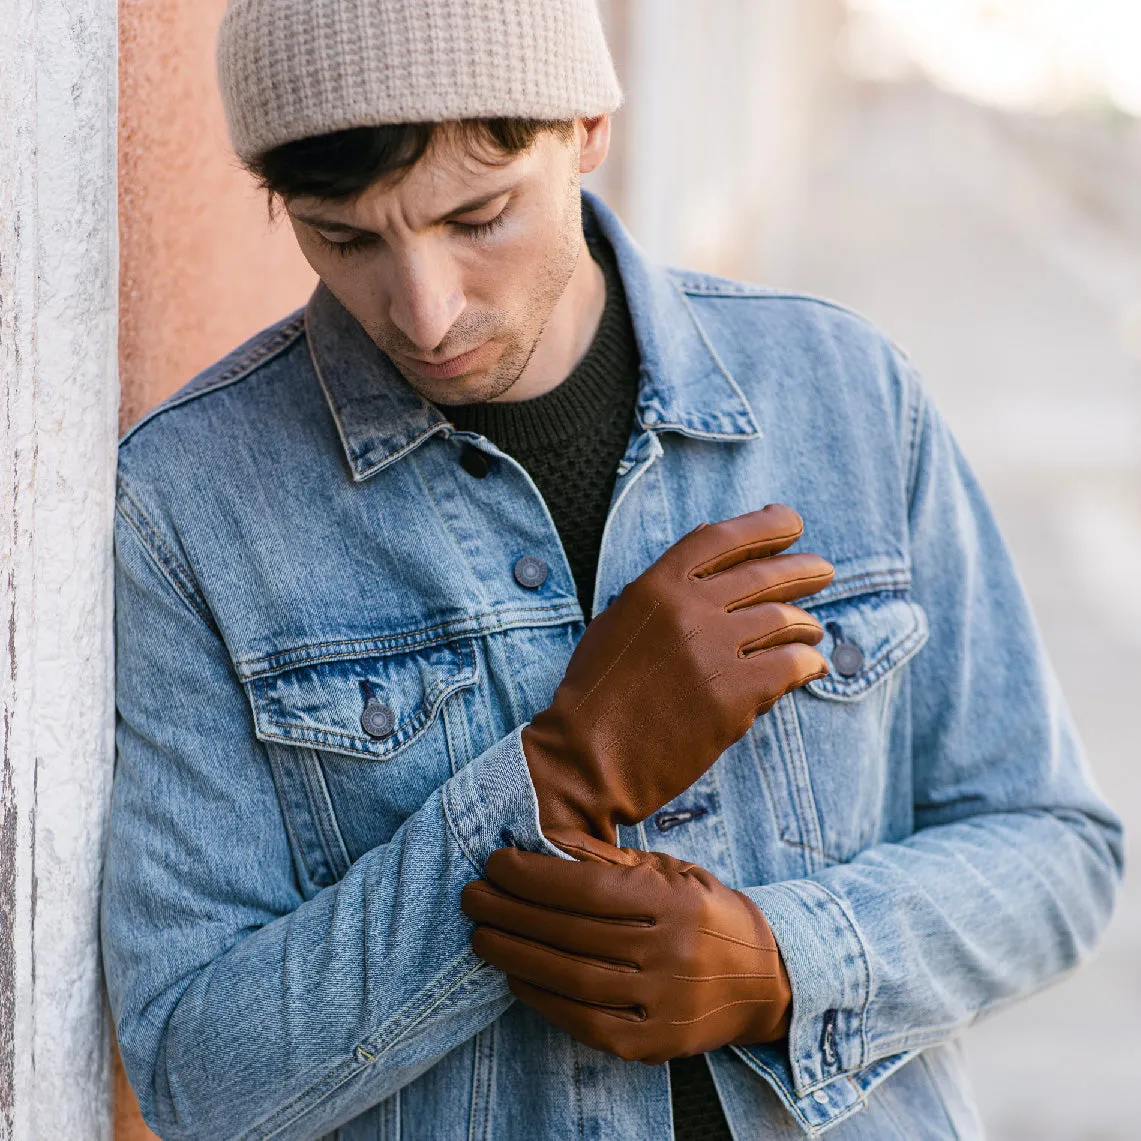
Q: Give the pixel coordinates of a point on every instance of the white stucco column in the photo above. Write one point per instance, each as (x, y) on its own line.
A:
(58, 321)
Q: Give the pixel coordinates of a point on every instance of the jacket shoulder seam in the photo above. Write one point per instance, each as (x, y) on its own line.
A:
(259, 354)
(173, 571)
(725, 290)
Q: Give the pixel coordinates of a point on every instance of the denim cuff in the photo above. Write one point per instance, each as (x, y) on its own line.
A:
(491, 803)
(828, 968)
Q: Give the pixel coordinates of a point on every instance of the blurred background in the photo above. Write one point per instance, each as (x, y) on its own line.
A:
(966, 173)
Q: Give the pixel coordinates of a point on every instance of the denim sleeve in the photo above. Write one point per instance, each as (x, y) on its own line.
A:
(242, 1009)
(1010, 875)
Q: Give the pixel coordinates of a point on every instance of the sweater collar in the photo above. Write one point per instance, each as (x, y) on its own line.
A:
(683, 386)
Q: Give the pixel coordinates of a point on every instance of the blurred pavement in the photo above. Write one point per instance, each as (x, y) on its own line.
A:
(970, 240)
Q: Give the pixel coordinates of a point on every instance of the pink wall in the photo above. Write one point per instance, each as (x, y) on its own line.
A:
(201, 266)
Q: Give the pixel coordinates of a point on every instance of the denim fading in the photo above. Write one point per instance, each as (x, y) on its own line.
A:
(284, 948)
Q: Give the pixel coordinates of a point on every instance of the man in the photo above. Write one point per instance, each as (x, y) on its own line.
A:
(401, 846)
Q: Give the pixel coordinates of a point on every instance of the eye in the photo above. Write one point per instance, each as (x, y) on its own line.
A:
(346, 248)
(482, 229)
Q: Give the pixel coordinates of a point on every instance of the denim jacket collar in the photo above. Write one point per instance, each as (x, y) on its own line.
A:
(685, 387)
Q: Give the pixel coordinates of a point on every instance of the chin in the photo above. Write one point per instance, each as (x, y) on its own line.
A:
(473, 389)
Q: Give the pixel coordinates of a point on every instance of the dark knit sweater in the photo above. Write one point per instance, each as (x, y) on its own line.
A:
(571, 440)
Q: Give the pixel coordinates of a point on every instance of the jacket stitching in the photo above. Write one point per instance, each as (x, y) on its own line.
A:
(162, 557)
(913, 444)
(895, 654)
(390, 645)
(865, 964)
(303, 849)
(754, 427)
(938, 1090)
(848, 587)
(321, 803)
(801, 792)
(467, 676)
(334, 408)
(453, 817)
(260, 354)
(397, 1027)
(832, 859)
(483, 1051)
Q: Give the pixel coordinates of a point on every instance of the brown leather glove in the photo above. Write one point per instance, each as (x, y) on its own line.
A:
(673, 672)
(647, 957)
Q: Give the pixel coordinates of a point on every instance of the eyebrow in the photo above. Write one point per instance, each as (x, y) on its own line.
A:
(347, 227)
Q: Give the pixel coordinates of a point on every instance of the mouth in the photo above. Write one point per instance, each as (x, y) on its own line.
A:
(449, 369)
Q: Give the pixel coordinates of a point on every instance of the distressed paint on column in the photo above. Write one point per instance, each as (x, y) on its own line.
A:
(58, 319)
(8, 832)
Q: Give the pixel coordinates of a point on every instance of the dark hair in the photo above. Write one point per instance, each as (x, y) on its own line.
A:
(344, 164)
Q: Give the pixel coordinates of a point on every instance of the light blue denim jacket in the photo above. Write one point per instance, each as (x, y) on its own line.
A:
(283, 943)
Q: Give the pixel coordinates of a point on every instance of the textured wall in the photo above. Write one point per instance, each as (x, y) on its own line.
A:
(201, 266)
(57, 452)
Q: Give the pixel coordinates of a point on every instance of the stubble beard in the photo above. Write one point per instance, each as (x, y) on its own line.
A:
(522, 334)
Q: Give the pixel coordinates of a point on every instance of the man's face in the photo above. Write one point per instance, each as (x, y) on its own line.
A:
(454, 269)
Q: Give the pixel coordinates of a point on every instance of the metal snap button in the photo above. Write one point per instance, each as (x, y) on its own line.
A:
(474, 462)
(668, 821)
(378, 720)
(848, 659)
(530, 572)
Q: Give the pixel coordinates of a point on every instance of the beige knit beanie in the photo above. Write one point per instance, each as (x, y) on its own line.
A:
(290, 69)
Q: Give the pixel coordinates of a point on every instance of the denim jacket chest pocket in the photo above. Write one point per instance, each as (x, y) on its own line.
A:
(357, 744)
(843, 787)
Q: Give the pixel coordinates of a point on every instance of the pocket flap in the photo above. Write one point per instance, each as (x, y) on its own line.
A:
(322, 704)
(866, 636)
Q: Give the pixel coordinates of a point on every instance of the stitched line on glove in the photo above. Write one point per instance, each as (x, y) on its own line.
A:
(618, 658)
(718, 1009)
(731, 939)
(710, 978)
(642, 679)
(631, 730)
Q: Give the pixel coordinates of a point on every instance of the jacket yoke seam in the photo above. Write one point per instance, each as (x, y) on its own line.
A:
(179, 577)
(259, 354)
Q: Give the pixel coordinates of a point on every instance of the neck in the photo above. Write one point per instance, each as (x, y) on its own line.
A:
(567, 335)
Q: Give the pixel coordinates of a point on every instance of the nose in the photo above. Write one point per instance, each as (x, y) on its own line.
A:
(427, 298)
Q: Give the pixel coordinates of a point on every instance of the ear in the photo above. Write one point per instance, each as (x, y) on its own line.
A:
(593, 142)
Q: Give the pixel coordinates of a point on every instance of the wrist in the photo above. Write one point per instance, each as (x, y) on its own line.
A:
(567, 804)
(769, 1022)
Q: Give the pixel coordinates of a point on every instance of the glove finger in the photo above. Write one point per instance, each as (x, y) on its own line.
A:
(582, 846)
(783, 669)
(718, 546)
(782, 578)
(601, 982)
(774, 624)
(621, 894)
(576, 934)
(616, 1032)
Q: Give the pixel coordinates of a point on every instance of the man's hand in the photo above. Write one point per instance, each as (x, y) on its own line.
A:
(673, 673)
(647, 957)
